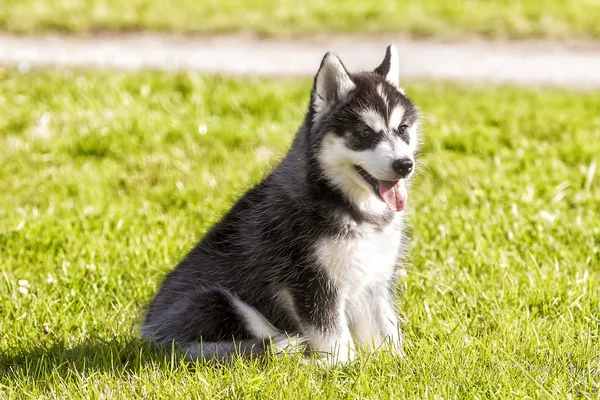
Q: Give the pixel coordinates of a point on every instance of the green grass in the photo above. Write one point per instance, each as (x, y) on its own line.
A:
(106, 181)
(422, 18)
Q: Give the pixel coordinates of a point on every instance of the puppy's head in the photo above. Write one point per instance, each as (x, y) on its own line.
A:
(365, 133)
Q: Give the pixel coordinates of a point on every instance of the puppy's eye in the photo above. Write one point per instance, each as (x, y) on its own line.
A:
(403, 130)
(365, 134)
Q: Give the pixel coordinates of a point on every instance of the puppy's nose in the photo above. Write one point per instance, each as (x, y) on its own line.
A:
(403, 166)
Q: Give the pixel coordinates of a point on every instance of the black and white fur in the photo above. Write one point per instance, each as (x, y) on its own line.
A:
(311, 251)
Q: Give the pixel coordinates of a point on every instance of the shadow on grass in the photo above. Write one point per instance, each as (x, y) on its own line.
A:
(118, 356)
(95, 355)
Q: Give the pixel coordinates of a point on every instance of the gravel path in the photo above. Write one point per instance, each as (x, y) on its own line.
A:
(527, 63)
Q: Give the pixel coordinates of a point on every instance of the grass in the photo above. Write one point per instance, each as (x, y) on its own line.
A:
(108, 178)
(514, 19)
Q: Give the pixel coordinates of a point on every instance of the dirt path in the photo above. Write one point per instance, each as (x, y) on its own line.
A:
(527, 63)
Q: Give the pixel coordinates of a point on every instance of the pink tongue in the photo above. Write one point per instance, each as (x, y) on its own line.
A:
(395, 196)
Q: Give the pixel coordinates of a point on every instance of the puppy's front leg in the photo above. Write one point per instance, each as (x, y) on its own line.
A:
(334, 343)
(324, 325)
(389, 326)
(377, 326)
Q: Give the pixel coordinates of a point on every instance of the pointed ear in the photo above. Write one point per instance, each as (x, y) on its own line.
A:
(332, 84)
(390, 67)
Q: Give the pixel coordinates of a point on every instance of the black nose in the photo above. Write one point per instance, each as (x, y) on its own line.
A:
(403, 166)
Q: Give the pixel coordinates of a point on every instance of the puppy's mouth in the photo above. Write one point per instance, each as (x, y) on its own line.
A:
(392, 193)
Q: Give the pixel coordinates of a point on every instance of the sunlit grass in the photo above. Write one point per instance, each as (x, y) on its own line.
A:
(422, 18)
(108, 178)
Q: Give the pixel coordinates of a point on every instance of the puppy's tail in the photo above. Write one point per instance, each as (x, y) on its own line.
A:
(223, 351)
(172, 329)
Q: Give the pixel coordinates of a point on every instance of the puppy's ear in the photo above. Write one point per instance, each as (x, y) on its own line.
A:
(390, 67)
(332, 84)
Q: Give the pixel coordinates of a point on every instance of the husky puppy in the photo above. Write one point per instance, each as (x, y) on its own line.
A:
(311, 251)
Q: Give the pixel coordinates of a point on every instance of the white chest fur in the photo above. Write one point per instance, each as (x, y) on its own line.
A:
(355, 262)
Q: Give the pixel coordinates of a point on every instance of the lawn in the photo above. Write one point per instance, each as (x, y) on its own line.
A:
(108, 178)
(512, 19)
